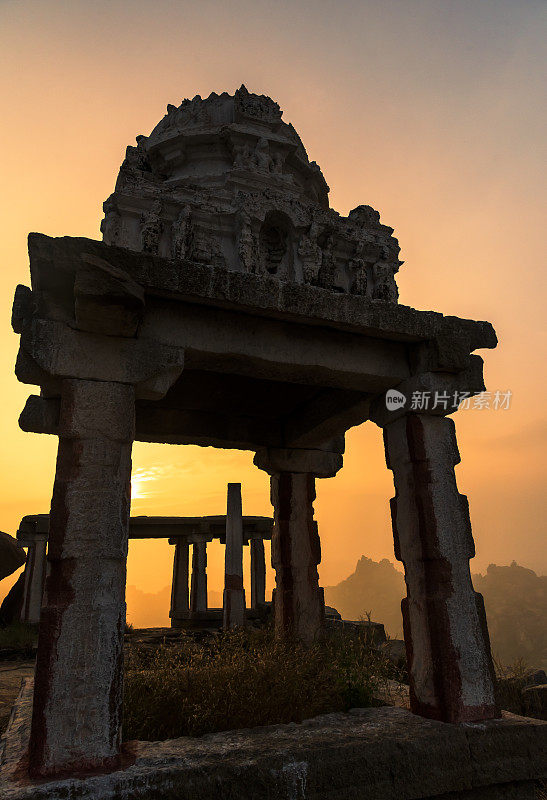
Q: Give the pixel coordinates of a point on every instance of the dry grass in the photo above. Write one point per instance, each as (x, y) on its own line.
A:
(510, 680)
(246, 678)
(19, 636)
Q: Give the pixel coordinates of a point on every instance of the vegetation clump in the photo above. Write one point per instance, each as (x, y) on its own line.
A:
(245, 678)
(19, 638)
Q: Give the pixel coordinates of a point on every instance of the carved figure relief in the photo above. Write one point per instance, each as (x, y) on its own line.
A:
(262, 158)
(207, 250)
(327, 271)
(247, 249)
(151, 229)
(110, 225)
(310, 254)
(181, 242)
(358, 270)
(242, 156)
(385, 287)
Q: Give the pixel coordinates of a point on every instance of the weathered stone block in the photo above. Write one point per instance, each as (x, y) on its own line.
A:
(106, 299)
(320, 463)
(377, 753)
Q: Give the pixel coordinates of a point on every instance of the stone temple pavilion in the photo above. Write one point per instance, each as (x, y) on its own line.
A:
(229, 305)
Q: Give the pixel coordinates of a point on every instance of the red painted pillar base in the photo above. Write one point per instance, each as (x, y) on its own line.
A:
(76, 723)
(299, 604)
(448, 649)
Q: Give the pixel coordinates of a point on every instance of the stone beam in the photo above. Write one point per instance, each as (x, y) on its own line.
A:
(327, 415)
(215, 340)
(176, 426)
(53, 349)
(59, 259)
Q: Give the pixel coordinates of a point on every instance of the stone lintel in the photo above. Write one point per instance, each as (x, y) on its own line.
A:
(391, 752)
(321, 463)
(55, 258)
(52, 349)
(175, 528)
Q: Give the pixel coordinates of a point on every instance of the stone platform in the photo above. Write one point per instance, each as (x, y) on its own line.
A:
(376, 753)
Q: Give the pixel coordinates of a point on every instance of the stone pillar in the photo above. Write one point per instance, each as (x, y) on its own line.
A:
(234, 594)
(35, 576)
(258, 573)
(179, 589)
(198, 590)
(299, 605)
(76, 721)
(448, 650)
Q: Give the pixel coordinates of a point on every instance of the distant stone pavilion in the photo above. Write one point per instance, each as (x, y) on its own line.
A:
(189, 608)
(229, 306)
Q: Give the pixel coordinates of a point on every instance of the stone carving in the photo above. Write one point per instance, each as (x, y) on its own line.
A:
(358, 270)
(364, 215)
(248, 251)
(385, 287)
(218, 198)
(206, 250)
(181, 241)
(242, 156)
(277, 163)
(327, 271)
(310, 254)
(258, 107)
(262, 158)
(151, 228)
(110, 225)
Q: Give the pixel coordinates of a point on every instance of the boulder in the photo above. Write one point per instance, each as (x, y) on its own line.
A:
(395, 650)
(12, 555)
(535, 677)
(10, 610)
(534, 701)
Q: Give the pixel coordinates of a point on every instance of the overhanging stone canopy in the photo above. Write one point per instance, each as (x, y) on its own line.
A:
(228, 305)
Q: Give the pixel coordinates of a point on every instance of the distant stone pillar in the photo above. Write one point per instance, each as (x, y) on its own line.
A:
(448, 650)
(234, 594)
(179, 590)
(35, 576)
(76, 721)
(198, 590)
(258, 573)
(299, 604)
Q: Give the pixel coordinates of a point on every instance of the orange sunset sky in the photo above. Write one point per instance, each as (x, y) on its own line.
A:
(432, 111)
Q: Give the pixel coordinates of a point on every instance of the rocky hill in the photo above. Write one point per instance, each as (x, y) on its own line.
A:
(515, 600)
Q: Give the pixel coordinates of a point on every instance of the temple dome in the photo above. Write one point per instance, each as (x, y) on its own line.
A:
(224, 180)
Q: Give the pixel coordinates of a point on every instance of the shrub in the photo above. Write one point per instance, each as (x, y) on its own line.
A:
(242, 678)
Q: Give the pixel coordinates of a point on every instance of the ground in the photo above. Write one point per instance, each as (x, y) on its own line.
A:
(11, 673)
